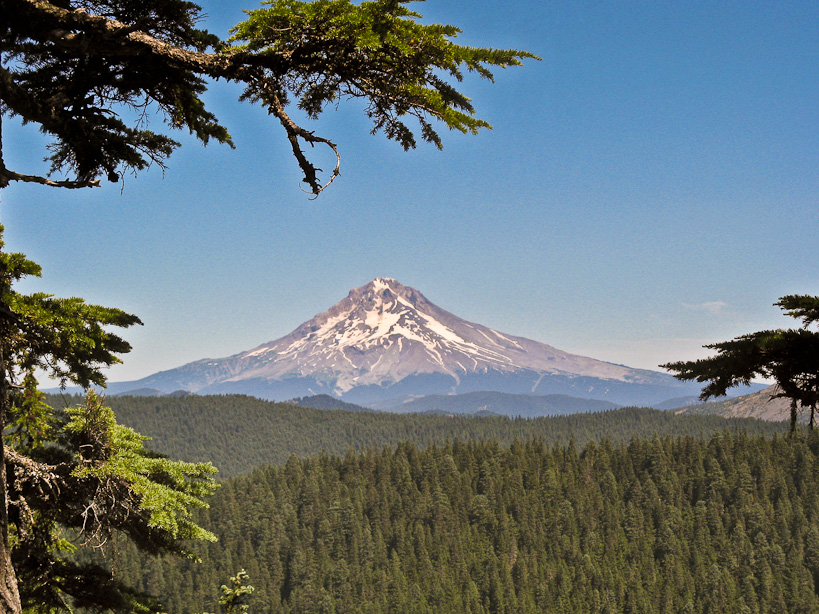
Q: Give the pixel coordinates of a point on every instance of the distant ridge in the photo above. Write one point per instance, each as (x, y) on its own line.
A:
(758, 405)
(503, 404)
(385, 341)
(678, 402)
(325, 401)
(153, 392)
(239, 433)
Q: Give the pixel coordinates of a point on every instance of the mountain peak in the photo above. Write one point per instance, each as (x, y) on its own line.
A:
(384, 332)
(384, 290)
(386, 339)
(380, 283)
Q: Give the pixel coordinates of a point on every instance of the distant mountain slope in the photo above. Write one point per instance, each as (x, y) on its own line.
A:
(325, 401)
(153, 392)
(758, 405)
(677, 402)
(504, 404)
(386, 340)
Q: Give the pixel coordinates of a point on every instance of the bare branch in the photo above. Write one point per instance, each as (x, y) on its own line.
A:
(294, 132)
(45, 478)
(7, 176)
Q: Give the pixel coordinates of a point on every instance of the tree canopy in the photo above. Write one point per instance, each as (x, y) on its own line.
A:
(88, 72)
(726, 524)
(788, 356)
(76, 477)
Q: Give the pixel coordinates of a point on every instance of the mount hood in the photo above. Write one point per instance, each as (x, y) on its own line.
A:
(385, 340)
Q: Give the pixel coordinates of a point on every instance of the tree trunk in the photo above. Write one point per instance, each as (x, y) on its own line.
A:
(9, 593)
(793, 415)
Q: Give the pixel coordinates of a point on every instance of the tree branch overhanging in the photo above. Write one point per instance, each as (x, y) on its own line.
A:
(790, 357)
(317, 52)
(7, 176)
(294, 132)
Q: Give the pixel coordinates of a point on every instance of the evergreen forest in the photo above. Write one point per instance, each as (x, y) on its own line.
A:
(719, 525)
(630, 510)
(239, 433)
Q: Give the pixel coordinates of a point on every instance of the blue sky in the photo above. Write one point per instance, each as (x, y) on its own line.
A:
(650, 186)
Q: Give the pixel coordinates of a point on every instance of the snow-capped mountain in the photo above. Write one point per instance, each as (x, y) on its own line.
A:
(386, 340)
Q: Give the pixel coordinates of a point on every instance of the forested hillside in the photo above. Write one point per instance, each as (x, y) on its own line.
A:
(759, 405)
(728, 524)
(504, 404)
(239, 433)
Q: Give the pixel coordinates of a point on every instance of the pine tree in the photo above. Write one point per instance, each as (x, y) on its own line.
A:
(94, 480)
(788, 356)
(75, 470)
(236, 594)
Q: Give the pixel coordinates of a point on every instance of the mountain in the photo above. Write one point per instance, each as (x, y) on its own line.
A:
(758, 405)
(387, 341)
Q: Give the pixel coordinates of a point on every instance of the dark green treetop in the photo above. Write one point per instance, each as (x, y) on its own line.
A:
(788, 356)
(236, 593)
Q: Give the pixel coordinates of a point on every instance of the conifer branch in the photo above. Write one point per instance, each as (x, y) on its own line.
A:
(44, 477)
(316, 52)
(294, 132)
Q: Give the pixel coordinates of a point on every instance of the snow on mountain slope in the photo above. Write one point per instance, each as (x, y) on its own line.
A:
(385, 333)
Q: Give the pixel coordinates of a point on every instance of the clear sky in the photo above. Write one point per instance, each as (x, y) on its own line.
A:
(650, 186)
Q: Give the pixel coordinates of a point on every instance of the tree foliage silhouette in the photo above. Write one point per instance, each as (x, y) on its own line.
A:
(788, 356)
